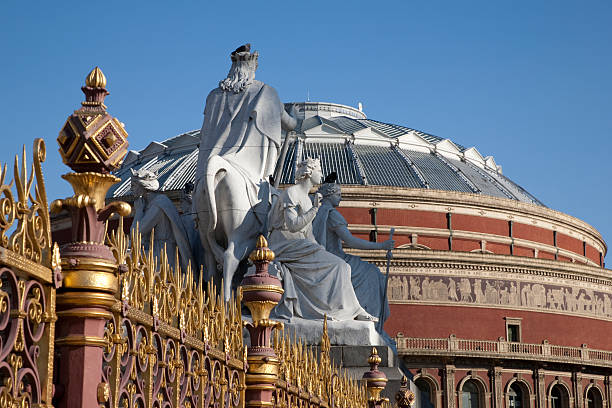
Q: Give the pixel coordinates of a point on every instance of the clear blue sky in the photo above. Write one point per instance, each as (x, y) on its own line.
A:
(524, 81)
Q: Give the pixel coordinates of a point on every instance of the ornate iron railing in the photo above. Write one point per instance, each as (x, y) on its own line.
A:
(171, 342)
(501, 348)
(306, 379)
(27, 286)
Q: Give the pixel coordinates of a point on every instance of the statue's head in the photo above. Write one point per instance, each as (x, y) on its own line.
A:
(242, 71)
(143, 181)
(188, 190)
(330, 190)
(309, 168)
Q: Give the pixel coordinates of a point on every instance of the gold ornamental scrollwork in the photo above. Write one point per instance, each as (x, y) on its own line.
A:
(26, 213)
(27, 292)
(175, 341)
(172, 339)
(305, 377)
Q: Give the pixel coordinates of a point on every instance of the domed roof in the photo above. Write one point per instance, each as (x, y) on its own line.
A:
(362, 151)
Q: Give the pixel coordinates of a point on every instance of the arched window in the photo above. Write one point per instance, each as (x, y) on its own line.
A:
(470, 395)
(559, 397)
(593, 398)
(427, 393)
(515, 396)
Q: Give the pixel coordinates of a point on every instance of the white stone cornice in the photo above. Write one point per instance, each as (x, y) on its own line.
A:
(413, 258)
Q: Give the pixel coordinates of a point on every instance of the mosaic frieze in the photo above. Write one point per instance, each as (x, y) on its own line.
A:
(500, 292)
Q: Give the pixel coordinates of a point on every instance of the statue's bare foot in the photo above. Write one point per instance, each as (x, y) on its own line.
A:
(366, 317)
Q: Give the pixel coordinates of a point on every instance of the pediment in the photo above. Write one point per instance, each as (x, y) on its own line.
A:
(490, 163)
(184, 140)
(412, 141)
(474, 156)
(154, 148)
(370, 133)
(448, 148)
(310, 123)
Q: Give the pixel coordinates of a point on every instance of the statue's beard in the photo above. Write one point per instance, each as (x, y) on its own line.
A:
(240, 76)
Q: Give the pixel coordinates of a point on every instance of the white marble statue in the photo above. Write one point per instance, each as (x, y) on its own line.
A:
(239, 147)
(331, 230)
(154, 211)
(316, 282)
(189, 223)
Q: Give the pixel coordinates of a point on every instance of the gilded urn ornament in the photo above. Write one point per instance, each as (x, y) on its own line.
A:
(91, 139)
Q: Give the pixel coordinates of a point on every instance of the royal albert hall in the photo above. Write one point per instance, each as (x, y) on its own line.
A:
(496, 300)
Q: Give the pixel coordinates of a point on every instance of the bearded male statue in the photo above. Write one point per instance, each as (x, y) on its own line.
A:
(239, 147)
(155, 214)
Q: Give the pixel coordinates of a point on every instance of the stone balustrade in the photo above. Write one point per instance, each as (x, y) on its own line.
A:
(453, 346)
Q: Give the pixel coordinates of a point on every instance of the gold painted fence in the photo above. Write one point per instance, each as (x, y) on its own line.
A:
(174, 342)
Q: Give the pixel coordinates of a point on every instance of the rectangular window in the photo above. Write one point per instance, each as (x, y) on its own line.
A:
(513, 329)
(513, 333)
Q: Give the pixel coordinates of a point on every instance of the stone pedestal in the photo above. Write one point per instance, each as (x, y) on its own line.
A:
(344, 333)
(354, 360)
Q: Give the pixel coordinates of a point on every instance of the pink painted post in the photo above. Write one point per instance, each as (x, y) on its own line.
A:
(92, 143)
(260, 293)
(375, 380)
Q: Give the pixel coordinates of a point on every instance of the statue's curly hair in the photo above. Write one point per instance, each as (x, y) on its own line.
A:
(241, 73)
(144, 179)
(305, 167)
(328, 189)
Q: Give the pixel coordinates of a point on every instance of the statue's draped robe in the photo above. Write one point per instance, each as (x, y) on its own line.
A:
(368, 282)
(316, 282)
(244, 130)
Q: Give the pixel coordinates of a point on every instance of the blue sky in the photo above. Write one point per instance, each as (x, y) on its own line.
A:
(524, 81)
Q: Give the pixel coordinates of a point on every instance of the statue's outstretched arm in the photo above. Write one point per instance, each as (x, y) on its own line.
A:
(353, 242)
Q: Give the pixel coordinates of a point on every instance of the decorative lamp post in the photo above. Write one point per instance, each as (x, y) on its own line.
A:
(261, 292)
(375, 380)
(92, 143)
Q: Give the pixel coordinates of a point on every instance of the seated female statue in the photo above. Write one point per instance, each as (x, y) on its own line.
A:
(316, 282)
(331, 230)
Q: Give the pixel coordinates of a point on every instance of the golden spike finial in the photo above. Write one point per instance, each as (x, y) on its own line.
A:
(96, 79)
(262, 242)
(374, 357)
(262, 253)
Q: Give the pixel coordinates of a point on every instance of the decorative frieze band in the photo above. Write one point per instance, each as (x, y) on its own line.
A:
(486, 289)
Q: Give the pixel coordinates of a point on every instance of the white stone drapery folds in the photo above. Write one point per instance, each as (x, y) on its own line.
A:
(316, 282)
